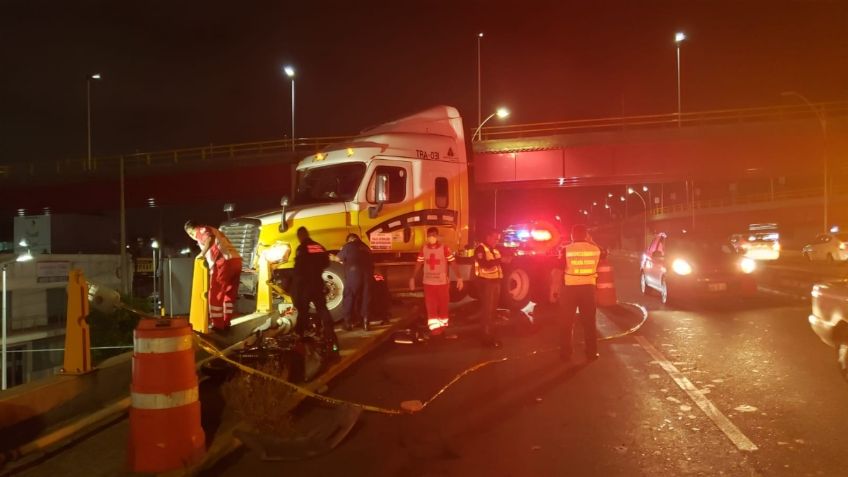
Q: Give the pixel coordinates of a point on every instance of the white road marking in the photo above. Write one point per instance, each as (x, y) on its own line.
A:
(719, 419)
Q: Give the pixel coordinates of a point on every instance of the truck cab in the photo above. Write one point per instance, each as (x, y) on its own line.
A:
(388, 185)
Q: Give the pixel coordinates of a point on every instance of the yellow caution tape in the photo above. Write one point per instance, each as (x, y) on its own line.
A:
(407, 407)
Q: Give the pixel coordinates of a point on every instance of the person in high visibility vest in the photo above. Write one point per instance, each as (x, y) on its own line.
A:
(224, 264)
(436, 260)
(488, 269)
(580, 263)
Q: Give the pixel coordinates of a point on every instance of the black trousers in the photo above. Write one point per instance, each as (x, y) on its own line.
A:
(356, 299)
(303, 296)
(582, 297)
(490, 295)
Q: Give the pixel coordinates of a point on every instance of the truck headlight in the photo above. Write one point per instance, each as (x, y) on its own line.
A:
(681, 267)
(276, 253)
(747, 265)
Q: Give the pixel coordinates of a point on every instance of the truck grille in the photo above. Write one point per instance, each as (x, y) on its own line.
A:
(244, 234)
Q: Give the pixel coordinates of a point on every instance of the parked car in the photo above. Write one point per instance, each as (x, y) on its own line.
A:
(828, 247)
(829, 318)
(685, 265)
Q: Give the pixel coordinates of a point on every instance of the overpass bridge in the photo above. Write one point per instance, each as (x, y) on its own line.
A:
(723, 145)
(712, 145)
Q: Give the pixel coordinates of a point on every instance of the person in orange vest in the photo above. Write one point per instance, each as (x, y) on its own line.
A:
(224, 271)
(488, 269)
(436, 260)
(580, 263)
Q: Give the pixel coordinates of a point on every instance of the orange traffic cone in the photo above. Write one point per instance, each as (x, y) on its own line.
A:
(165, 432)
(605, 295)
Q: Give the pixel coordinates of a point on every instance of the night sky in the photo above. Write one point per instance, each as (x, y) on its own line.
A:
(189, 73)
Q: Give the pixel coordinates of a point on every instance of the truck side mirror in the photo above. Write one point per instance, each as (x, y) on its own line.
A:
(381, 195)
(284, 202)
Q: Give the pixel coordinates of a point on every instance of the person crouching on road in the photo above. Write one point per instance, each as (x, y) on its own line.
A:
(580, 263)
(435, 259)
(310, 261)
(355, 255)
(224, 271)
(489, 271)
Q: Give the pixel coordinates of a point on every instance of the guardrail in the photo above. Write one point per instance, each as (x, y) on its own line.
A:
(770, 113)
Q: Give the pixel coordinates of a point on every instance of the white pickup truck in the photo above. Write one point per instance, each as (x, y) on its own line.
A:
(829, 318)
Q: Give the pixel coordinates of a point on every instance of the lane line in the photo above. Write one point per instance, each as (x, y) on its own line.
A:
(721, 421)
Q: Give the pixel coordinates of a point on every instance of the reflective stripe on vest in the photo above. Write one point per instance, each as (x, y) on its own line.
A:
(581, 263)
(492, 273)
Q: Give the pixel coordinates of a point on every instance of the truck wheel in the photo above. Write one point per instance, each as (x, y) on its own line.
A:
(842, 359)
(334, 289)
(516, 288)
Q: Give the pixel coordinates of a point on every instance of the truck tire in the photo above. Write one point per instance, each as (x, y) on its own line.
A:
(334, 289)
(517, 286)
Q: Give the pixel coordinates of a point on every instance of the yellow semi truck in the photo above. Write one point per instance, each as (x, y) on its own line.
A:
(388, 185)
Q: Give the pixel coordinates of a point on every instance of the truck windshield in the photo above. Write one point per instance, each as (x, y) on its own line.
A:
(336, 183)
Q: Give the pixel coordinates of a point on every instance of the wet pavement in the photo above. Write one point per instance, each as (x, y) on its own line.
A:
(687, 395)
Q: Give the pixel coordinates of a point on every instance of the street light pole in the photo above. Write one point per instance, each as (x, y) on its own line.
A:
(4, 377)
(88, 79)
(679, 37)
(501, 113)
(289, 70)
(479, 90)
(823, 124)
(645, 222)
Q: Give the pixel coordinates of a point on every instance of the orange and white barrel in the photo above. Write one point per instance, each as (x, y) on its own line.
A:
(165, 431)
(605, 295)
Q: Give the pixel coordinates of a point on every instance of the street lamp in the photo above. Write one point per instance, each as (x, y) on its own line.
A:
(95, 76)
(632, 191)
(25, 257)
(154, 245)
(679, 38)
(479, 74)
(289, 71)
(501, 113)
(823, 123)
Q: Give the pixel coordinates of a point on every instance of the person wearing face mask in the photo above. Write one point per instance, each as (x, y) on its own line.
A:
(435, 259)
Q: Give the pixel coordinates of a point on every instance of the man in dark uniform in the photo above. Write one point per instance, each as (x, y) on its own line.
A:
(489, 271)
(359, 272)
(310, 261)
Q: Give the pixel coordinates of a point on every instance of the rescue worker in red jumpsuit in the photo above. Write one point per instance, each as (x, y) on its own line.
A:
(310, 261)
(489, 271)
(580, 263)
(224, 264)
(436, 259)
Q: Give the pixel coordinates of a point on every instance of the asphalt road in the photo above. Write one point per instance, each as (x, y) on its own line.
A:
(757, 378)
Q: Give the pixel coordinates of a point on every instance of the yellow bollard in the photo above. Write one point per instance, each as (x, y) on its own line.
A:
(77, 336)
(199, 312)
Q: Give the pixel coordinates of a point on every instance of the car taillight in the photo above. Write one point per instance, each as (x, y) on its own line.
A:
(541, 235)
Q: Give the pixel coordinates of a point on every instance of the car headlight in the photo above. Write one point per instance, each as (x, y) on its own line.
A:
(276, 253)
(681, 267)
(747, 265)
(843, 246)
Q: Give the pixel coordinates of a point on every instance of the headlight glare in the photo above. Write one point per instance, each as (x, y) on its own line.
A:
(747, 265)
(681, 267)
(276, 253)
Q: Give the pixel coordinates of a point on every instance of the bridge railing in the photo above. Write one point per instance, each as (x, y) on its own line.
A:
(771, 113)
(174, 157)
(748, 199)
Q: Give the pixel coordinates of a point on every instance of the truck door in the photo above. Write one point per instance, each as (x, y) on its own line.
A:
(385, 205)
